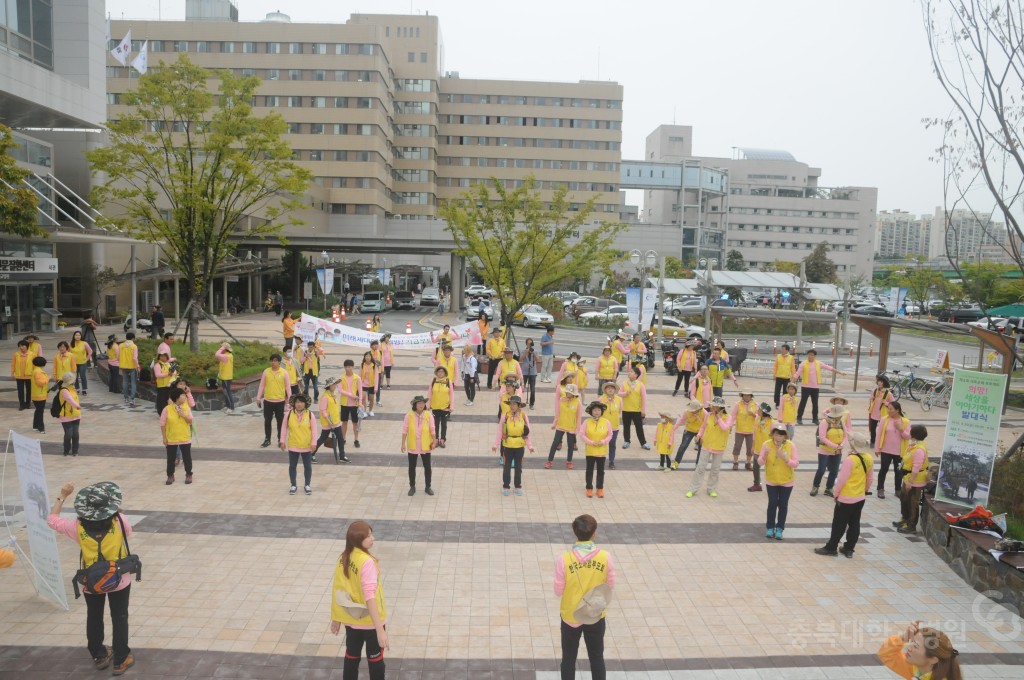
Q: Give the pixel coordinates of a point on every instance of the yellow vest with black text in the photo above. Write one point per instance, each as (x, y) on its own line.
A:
(422, 427)
(352, 585)
(111, 546)
(580, 578)
(300, 431)
(856, 484)
(178, 429)
(127, 356)
(514, 431)
(597, 430)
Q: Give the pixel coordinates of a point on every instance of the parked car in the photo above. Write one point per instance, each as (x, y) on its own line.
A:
(477, 307)
(961, 314)
(674, 326)
(373, 301)
(685, 306)
(612, 314)
(566, 296)
(589, 303)
(479, 289)
(533, 315)
(430, 297)
(403, 299)
(996, 323)
(870, 309)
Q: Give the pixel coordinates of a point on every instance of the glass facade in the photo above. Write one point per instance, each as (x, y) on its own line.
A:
(26, 29)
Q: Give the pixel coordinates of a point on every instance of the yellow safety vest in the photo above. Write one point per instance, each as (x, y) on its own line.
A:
(63, 364)
(715, 437)
(440, 394)
(632, 400)
(514, 431)
(776, 469)
(127, 356)
(418, 425)
(178, 429)
(856, 484)
(165, 380)
(835, 434)
(663, 438)
(746, 417)
(568, 409)
(114, 353)
(507, 367)
(495, 348)
(349, 381)
(597, 430)
(80, 353)
(789, 405)
(614, 411)
(784, 366)
(66, 409)
(40, 384)
(580, 578)
(762, 433)
(606, 367)
(300, 431)
(352, 585)
(293, 375)
(21, 364)
(883, 427)
(695, 419)
(333, 410)
(111, 545)
(908, 464)
(805, 373)
(274, 384)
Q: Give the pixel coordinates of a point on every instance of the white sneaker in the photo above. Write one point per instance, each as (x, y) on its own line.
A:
(468, 403)
(370, 414)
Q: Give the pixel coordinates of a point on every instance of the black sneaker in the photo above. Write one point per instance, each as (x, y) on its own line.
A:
(799, 421)
(828, 492)
(847, 553)
(314, 457)
(292, 490)
(906, 530)
(412, 491)
(356, 443)
(826, 552)
(429, 491)
(346, 459)
(265, 444)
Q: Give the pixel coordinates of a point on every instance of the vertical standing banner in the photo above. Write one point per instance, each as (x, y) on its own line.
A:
(326, 279)
(42, 541)
(972, 432)
(633, 307)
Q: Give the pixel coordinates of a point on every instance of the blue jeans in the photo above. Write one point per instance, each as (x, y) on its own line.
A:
(310, 379)
(830, 463)
(611, 446)
(82, 378)
(778, 505)
(685, 444)
(307, 465)
(130, 381)
(229, 399)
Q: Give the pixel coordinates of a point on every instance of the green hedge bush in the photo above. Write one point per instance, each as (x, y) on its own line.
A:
(197, 367)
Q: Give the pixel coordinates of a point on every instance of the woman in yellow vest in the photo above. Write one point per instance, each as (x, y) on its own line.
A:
(128, 363)
(921, 653)
(713, 436)
(378, 362)
(70, 413)
(762, 433)
(595, 432)
(331, 421)
(375, 323)
(568, 416)
(855, 477)
(33, 345)
(98, 529)
(691, 421)
(82, 352)
(368, 379)
(162, 377)
(892, 436)
(513, 440)
(634, 408)
(607, 369)
(915, 479)
(64, 361)
(509, 389)
(664, 438)
(358, 603)
(419, 437)
(619, 349)
(779, 458)
(880, 397)
(387, 357)
(495, 348)
(21, 371)
(442, 402)
(298, 438)
(832, 439)
(788, 413)
(744, 418)
(482, 324)
(293, 368)
(509, 367)
(113, 364)
(782, 371)
(40, 387)
(686, 364)
(176, 428)
(226, 373)
(450, 362)
(288, 329)
(702, 388)
(613, 413)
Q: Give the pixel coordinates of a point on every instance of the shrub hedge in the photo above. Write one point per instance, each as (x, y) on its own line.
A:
(197, 367)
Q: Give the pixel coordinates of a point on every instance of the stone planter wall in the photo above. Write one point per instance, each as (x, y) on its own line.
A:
(244, 391)
(968, 555)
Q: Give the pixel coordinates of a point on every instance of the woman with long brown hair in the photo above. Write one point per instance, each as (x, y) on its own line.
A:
(921, 652)
(359, 603)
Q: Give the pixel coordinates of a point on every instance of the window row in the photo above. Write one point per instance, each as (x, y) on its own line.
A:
(252, 47)
(273, 101)
(524, 100)
(793, 213)
(534, 163)
(785, 244)
(340, 76)
(530, 121)
(589, 144)
(796, 230)
(466, 182)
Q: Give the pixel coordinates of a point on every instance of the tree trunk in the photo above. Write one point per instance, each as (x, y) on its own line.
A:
(193, 325)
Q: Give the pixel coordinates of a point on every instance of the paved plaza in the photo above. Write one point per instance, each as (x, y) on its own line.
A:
(237, 577)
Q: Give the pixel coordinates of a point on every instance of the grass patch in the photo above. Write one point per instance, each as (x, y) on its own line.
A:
(197, 367)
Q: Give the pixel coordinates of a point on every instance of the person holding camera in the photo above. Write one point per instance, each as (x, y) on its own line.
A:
(529, 367)
(162, 375)
(176, 429)
(226, 373)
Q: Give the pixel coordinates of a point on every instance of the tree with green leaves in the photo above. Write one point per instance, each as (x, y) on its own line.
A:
(676, 269)
(981, 280)
(523, 245)
(819, 266)
(98, 280)
(18, 203)
(919, 283)
(735, 262)
(187, 168)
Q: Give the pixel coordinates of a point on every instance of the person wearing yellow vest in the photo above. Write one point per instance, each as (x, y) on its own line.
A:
(701, 388)
(495, 348)
(442, 402)
(779, 459)
(893, 434)
(577, 573)
(350, 389)
(595, 432)
(358, 603)
(722, 352)
(762, 433)
(634, 408)
(573, 365)
(450, 362)
(368, 379)
(100, 529)
(40, 388)
(311, 368)
(619, 349)
(686, 364)
(33, 345)
(880, 397)
(443, 338)
(162, 375)
(567, 418)
(64, 361)
(387, 356)
(226, 373)
(293, 367)
(482, 323)
(70, 413)
(607, 369)
(331, 422)
(713, 436)
(808, 374)
(513, 439)
(509, 389)
(288, 329)
(21, 371)
(176, 428)
(788, 414)
(613, 413)
(744, 418)
(419, 437)
(378, 362)
(376, 324)
(298, 438)
(783, 371)
(508, 366)
(664, 439)
(129, 368)
(273, 392)
(114, 364)
(718, 370)
(855, 478)
(637, 350)
(915, 479)
(82, 352)
(921, 653)
(692, 420)
(832, 439)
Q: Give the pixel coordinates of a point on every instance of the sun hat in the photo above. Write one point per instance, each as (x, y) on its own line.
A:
(593, 604)
(572, 390)
(835, 412)
(839, 395)
(597, 404)
(746, 391)
(331, 382)
(98, 501)
(623, 335)
(669, 416)
(859, 440)
(718, 401)
(694, 406)
(574, 354)
(515, 399)
(765, 407)
(580, 362)
(612, 383)
(507, 350)
(417, 399)
(778, 426)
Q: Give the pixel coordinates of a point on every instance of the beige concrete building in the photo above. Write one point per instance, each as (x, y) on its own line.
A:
(902, 235)
(963, 233)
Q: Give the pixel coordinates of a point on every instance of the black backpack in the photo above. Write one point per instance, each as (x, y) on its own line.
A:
(56, 407)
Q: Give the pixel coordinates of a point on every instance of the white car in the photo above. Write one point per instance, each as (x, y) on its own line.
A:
(998, 323)
(613, 313)
(478, 289)
(533, 315)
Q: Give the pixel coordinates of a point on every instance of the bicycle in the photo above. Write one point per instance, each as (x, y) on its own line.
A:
(938, 394)
(908, 384)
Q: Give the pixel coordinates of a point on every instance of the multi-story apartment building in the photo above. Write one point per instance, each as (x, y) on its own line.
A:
(902, 235)
(776, 209)
(961, 233)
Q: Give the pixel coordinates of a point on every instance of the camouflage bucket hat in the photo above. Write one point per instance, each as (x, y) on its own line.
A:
(99, 501)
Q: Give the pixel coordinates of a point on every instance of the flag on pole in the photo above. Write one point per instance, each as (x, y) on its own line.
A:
(141, 61)
(120, 53)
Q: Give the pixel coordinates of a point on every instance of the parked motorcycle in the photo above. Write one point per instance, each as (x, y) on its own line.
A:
(670, 350)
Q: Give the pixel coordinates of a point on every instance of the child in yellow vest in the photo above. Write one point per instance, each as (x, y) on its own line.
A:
(298, 438)
(921, 653)
(788, 413)
(418, 440)
(744, 417)
(832, 439)
(176, 428)
(568, 416)
(713, 436)
(778, 456)
(595, 432)
(855, 477)
(762, 433)
(162, 377)
(915, 479)
(691, 421)
(357, 582)
(613, 412)
(664, 439)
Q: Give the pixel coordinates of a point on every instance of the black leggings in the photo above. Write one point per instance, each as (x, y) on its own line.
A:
(272, 410)
(492, 366)
(592, 462)
(24, 392)
(469, 384)
(441, 423)
(683, 377)
(94, 605)
(781, 384)
(558, 440)
(354, 639)
(872, 426)
(186, 457)
(633, 417)
(425, 457)
(593, 636)
(162, 395)
(845, 520)
(37, 417)
(805, 393)
(897, 471)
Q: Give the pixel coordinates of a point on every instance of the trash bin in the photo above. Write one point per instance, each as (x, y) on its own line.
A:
(736, 358)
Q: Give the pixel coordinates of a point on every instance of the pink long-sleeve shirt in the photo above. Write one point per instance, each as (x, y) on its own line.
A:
(827, 447)
(793, 462)
(68, 399)
(845, 469)
(69, 528)
(314, 424)
(581, 432)
(368, 580)
(583, 557)
(428, 420)
(920, 461)
(812, 377)
(501, 430)
(706, 391)
(222, 355)
(894, 436)
(263, 384)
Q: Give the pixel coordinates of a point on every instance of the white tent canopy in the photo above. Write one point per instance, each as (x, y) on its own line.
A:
(726, 279)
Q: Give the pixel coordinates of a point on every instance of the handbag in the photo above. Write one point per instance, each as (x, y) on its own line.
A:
(104, 576)
(594, 601)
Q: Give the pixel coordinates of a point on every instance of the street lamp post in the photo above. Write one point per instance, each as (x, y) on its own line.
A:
(709, 265)
(644, 262)
(323, 286)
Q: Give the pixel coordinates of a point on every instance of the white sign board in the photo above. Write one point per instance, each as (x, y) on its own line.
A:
(42, 541)
(307, 290)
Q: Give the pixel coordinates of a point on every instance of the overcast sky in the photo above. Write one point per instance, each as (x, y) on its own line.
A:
(841, 85)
